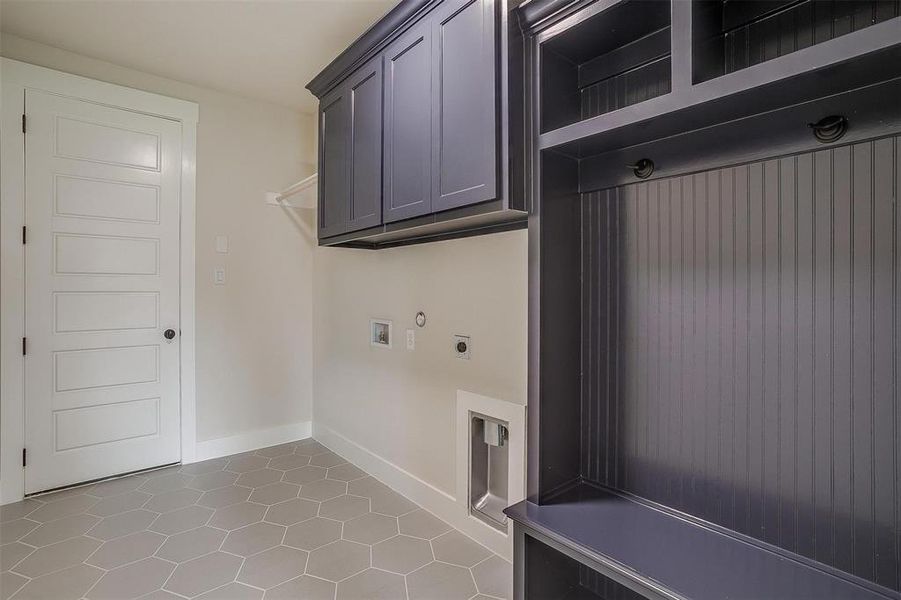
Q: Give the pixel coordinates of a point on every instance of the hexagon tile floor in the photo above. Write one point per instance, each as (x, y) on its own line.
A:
(294, 521)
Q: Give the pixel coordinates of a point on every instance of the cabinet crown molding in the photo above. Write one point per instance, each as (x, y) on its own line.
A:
(397, 20)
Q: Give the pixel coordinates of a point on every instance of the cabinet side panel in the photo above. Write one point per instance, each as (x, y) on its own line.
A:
(560, 325)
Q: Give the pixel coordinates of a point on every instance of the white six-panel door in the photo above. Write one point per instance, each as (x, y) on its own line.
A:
(102, 287)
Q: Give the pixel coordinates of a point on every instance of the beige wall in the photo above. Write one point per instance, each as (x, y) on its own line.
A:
(400, 404)
(254, 348)
(255, 335)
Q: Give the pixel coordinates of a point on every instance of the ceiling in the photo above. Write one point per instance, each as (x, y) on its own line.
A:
(265, 49)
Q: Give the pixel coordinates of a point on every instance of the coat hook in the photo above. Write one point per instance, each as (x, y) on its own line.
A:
(643, 168)
(829, 129)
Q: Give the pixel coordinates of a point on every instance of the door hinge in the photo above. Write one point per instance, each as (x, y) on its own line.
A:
(24, 234)
(24, 457)
(24, 120)
(24, 346)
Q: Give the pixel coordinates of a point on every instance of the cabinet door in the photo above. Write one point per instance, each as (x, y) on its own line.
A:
(364, 89)
(464, 152)
(408, 114)
(334, 127)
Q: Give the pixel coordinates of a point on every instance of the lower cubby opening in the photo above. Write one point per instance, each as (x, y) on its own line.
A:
(725, 343)
(731, 35)
(551, 575)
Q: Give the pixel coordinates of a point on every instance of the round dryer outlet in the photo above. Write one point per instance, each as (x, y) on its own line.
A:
(462, 346)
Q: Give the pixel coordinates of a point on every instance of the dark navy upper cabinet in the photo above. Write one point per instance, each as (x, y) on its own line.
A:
(408, 115)
(334, 126)
(425, 139)
(441, 113)
(464, 115)
(350, 153)
(364, 91)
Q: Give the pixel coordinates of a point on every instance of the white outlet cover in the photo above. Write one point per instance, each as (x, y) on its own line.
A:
(219, 276)
(411, 339)
(222, 244)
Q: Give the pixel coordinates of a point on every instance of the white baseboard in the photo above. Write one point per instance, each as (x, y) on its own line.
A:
(443, 505)
(252, 440)
(225, 446)
(7, 497)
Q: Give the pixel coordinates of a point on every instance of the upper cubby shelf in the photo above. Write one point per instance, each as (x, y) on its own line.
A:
(615, 73)
(731, 35)
(606, 60)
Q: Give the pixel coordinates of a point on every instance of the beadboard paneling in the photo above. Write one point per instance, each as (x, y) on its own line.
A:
(740, 351)
(801, 25)
(634, 86)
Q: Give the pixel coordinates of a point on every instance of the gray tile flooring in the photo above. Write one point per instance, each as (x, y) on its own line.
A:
(294, 521)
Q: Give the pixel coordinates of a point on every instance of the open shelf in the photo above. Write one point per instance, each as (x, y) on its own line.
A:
(662, 554)
(848, 62)
(732, 35)
(555, 576)
(616, 57)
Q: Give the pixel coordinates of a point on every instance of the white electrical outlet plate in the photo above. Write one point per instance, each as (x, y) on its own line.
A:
(411, 339)
(219, 276)
(462, 346)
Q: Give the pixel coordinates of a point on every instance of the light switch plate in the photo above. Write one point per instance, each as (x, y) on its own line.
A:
(222, 244)
(219, 276)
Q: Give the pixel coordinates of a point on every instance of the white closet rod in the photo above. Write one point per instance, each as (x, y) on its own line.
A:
(305, 185)
(297, 187)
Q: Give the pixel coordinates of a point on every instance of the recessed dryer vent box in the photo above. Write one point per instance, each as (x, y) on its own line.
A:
(489, 455)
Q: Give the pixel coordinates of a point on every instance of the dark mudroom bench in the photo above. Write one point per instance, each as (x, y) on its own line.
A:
(656, 553)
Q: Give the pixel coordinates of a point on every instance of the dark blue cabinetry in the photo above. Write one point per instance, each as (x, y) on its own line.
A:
(334, 188)
(418, 131)
(464, 105)
(364, 90)
(408, 121)
(350, 153)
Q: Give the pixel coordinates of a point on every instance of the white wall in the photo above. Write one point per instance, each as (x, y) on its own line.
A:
(254, 346)
(399, 404)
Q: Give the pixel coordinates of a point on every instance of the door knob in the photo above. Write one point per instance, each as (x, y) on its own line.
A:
(169, 334)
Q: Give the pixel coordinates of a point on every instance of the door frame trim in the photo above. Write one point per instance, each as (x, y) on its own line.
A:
(16, 78)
